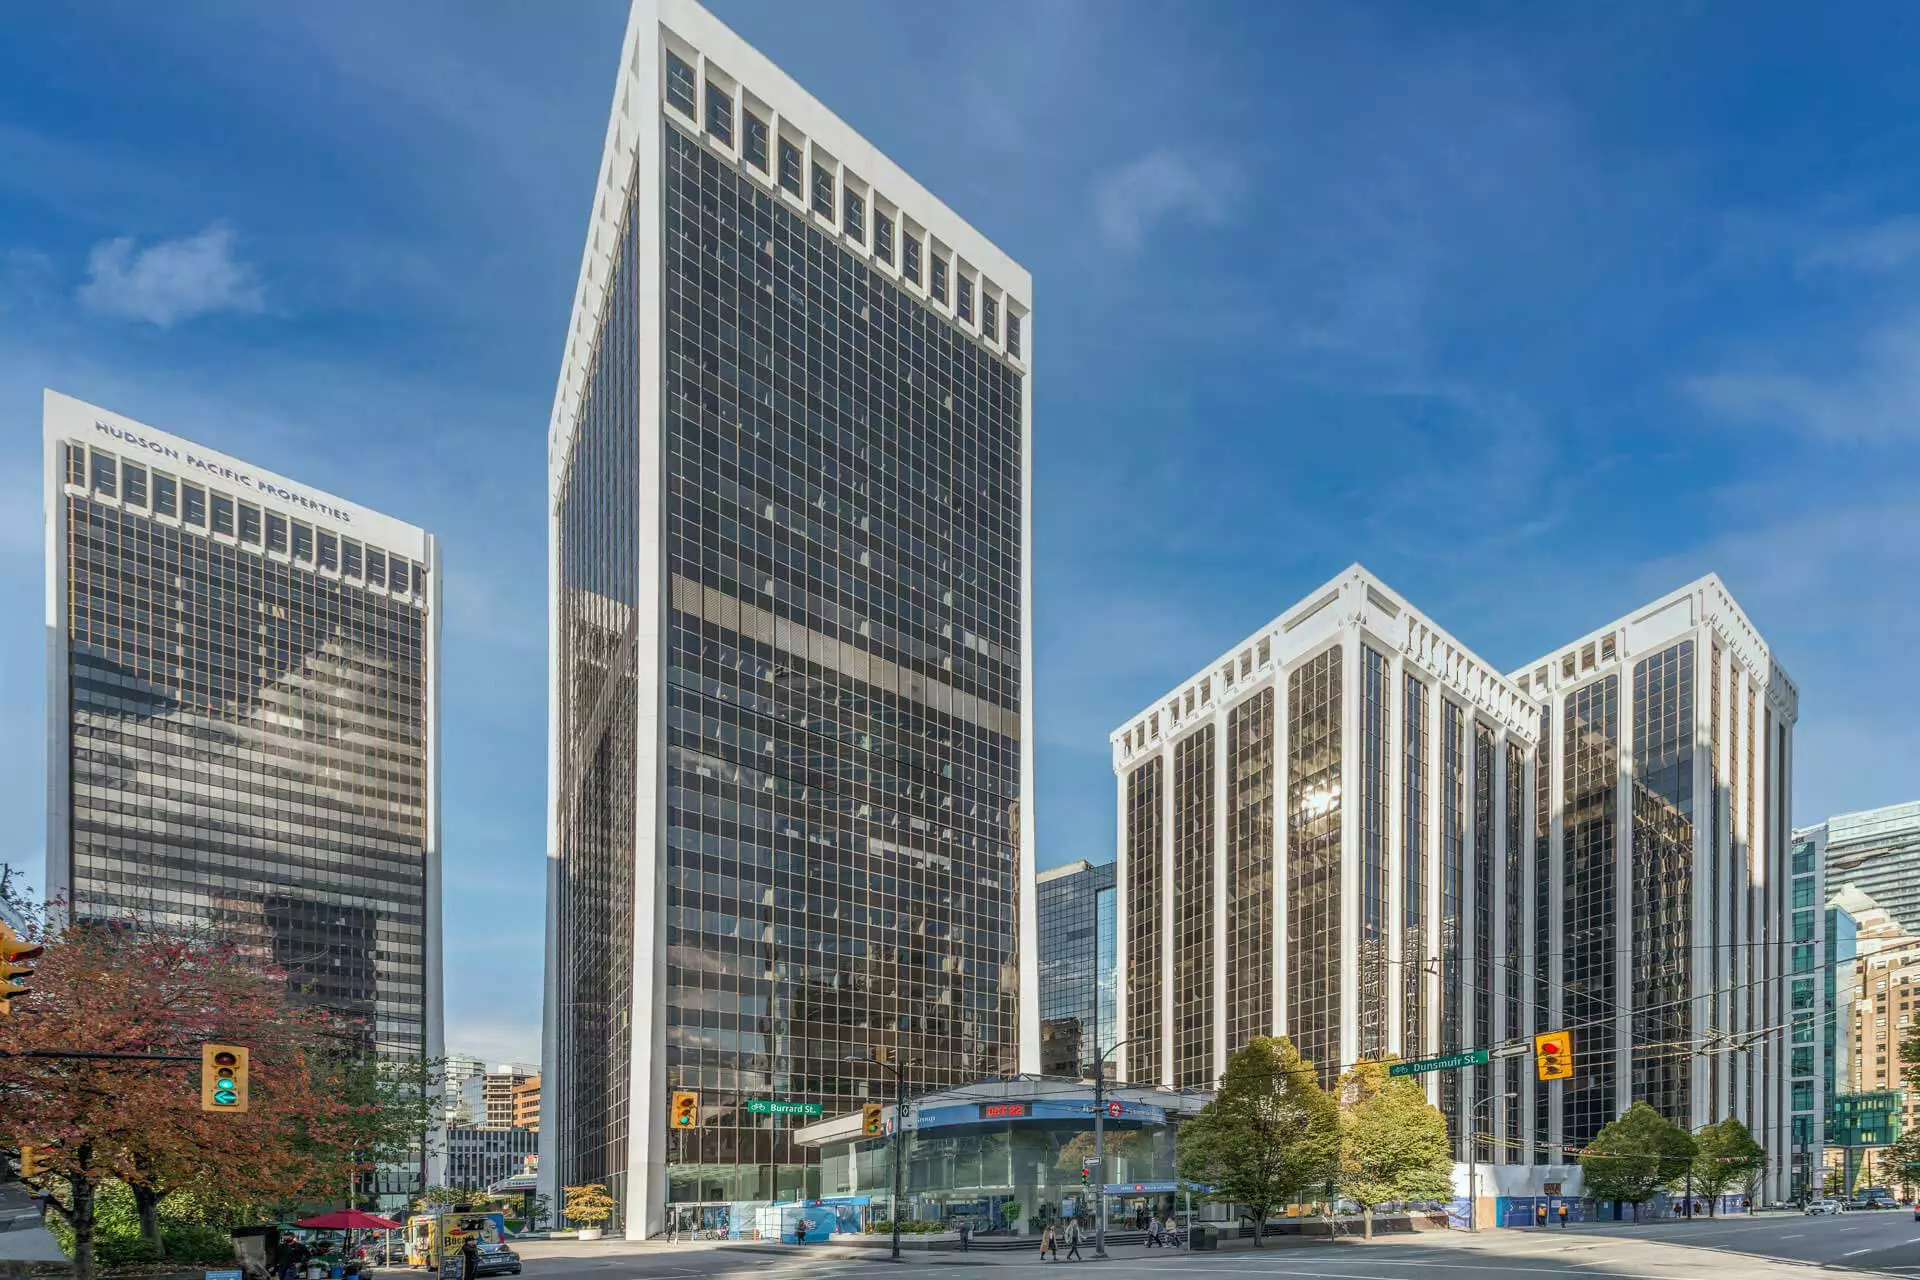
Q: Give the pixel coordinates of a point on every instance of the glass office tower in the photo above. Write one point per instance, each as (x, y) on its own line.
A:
(1076, 929)
(242, 716)
(791, 701)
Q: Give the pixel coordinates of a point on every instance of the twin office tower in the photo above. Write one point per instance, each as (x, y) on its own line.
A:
(790, 762)
(1352, 830)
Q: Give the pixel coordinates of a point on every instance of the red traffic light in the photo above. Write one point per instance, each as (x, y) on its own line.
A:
(1550, 1046)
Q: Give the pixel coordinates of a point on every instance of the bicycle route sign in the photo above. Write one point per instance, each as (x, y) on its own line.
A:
(775, 1107)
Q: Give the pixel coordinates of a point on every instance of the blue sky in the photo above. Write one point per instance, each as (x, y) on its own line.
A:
(1537, 310)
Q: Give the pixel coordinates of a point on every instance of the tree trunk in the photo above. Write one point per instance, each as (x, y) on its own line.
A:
(147, 1202)
(1259, 1222)
(80, 1218)
(1366, 1222)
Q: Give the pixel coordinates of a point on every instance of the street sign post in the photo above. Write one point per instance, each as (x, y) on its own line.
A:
(775, 1107)
(1447, 1062)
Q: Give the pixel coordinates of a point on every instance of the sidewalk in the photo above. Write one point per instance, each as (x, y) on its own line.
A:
(22, 1237)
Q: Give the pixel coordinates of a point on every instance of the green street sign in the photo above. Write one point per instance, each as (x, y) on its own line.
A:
(774, 1107)
(1451, 1062)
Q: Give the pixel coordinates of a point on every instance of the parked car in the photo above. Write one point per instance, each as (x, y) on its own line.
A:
(1826, 1206)
(496, 1260)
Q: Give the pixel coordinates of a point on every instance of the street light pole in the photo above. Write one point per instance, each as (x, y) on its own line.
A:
(1473, 1159)
(1100, 1144)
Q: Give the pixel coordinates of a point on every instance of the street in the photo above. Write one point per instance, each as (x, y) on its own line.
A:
(1758, 1248)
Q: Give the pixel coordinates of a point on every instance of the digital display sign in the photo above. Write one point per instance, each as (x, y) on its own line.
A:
(1003, 1111)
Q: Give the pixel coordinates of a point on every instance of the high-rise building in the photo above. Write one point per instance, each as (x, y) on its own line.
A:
(791, 691)
(1351, 830)
(526, 1104)
(1821, 943)
(1076, 928)
(243, 726)
(1878, 851)
(487, 1100)
(242, 720)
(477, 1158)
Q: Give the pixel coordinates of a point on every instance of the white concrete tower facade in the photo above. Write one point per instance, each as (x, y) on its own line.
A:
(1670, 733)
(1327, 834)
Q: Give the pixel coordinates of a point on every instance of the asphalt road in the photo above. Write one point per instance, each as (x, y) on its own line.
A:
(1766, 1247)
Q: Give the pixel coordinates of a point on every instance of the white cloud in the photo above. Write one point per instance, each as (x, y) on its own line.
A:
(1877, 400)
(1884, 247)
(1160, 185)
(172, 280)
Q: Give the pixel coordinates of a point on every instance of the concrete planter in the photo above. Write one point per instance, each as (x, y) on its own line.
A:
(589, 1233)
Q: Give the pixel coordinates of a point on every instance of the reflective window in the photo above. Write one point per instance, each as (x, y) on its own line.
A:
(222, 514)
(1076, 933)
(719, 113)
(990, 317)
(1453, 872)
(76, 464)
(250, 524)
(1662, 877)
(1543, 949)
(1376, 710)
(679, 84)
(350, 566)
(789, 167)
(276, 533)
(193, 505)
(303, 541)
(398, 579)
(1313, 861)
(910, 258)
(1248, 977)
(1589, 738)
(1513, 971)
(1013, 335)
(883, 237)
(853, 215)
(329, 551)
(939, 279)
(823, 190)
(1193, 914)
(754, 143)
(133, 485)
(164, 495)
(1144, 927)
(966, 300)
(103, 474)
(376, 567)
(1484, 862)
(1413, 874)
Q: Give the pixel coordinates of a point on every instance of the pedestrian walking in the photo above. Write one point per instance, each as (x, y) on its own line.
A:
(1540, 1215)
(1173, 1233)
(1047, 1245)
(966, 1234)
(1073, 1241)
(1563, 1215)
(1153, 1233)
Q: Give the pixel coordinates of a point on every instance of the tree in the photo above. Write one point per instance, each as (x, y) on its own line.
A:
(105, 988)
(1269, 1134)
(1393, 1142)
(1724, 1155)
(1636, 1155)
(589, 1204)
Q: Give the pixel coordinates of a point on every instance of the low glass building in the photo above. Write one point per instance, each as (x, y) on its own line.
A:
(1008, 1155)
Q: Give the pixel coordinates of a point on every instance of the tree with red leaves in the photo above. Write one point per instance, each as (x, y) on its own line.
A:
(122, 988)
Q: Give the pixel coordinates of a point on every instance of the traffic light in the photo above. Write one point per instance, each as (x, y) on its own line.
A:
(1086, 1174)
(685, 1113)
(870, 1122)
(1553, 1055)
(223, 1077)
(13, 971)
(33, 1161)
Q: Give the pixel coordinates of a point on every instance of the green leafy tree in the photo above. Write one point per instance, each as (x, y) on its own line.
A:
(1725, 1154)
(1270, 1133)
(1393, 1142)
(1633, 1157)
(1903, 1158)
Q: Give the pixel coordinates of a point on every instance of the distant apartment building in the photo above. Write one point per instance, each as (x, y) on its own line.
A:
(1881, 992)
(1076, 928)
(1352, 830)
(487, 1100)
(1878, 850)
(526, 1104)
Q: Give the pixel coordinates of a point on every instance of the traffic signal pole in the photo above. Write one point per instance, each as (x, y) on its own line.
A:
(1100, 1145)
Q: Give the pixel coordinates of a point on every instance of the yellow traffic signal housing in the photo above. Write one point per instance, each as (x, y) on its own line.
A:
(33, 1161)
(870, 1122)
(223, 1077)
(14, 971)
(1553, 1055)
(685, 1112)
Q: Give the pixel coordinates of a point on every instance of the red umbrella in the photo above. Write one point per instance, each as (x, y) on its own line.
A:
(348, 1220)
